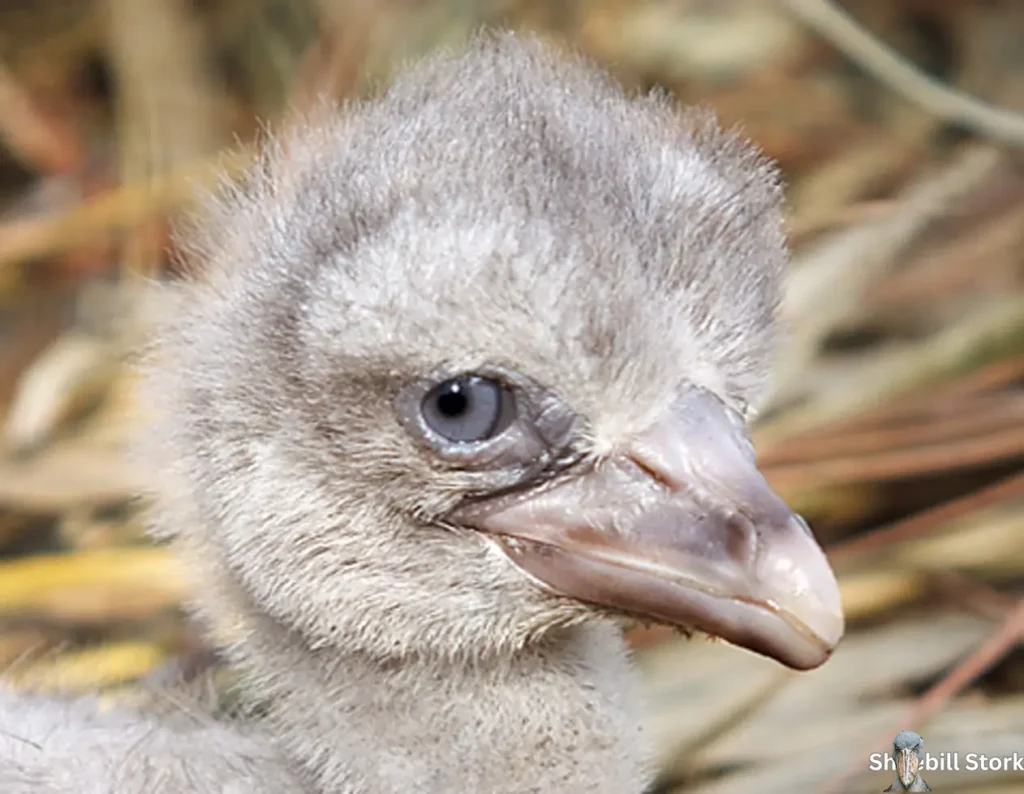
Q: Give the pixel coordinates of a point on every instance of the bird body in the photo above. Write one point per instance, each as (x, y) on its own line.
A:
(485, 731)
(917, 785)
(456, 391)
(908, 755)
(52, 746)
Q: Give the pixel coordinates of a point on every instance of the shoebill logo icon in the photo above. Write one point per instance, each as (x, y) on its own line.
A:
(908, 754)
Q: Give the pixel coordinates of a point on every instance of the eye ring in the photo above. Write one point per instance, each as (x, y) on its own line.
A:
(468, 409)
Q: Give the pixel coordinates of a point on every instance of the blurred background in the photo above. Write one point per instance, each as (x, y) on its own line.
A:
(897, 425)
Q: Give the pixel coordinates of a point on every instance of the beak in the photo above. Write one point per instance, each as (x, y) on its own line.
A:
(679, 526)
(907, 765)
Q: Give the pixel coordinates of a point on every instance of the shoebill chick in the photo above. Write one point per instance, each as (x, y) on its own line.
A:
(459, 391)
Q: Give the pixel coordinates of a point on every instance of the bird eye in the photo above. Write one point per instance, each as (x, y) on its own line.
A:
(468, 408)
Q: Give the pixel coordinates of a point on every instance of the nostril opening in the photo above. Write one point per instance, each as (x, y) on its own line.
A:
(740, 537)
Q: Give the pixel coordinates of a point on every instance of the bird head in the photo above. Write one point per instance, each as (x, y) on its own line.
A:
(908, 752)
(473, 361)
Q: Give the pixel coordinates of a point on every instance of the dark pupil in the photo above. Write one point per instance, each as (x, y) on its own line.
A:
(453, 402)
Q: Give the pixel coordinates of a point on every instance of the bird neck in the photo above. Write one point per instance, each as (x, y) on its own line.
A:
(561, 715)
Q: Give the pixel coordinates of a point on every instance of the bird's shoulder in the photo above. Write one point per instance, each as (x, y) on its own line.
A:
(54, 746)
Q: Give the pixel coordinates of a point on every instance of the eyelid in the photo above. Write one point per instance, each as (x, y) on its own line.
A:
(519, 445)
